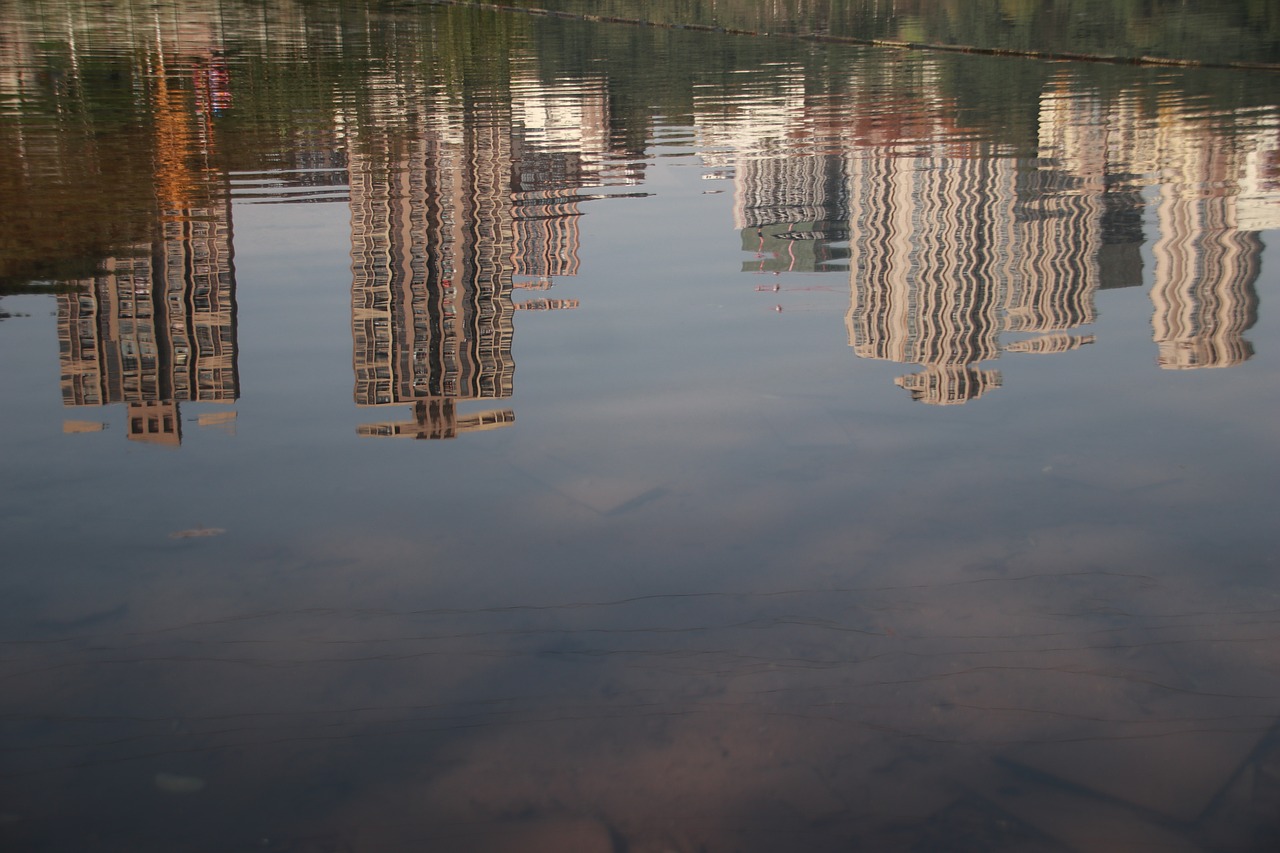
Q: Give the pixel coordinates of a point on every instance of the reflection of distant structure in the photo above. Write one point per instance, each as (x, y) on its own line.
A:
(1078, 178)
(546, 305)
(156, 327)
(438, 418)
(787, 189)
(559, 137)
(1203, 295)
(946, 385)
(779, 145)
(794, 247)
(1057, 242)
(546, 234)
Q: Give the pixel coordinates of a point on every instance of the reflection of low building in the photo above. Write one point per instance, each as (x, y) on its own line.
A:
(948, 385)
(1053, 343)
(438, 418)
(546, 305)
(155, 422)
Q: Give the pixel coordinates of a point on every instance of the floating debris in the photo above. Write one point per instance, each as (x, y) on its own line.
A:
(197, 532)
(172, 783)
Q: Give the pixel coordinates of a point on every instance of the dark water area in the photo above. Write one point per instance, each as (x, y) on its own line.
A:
(438, 428)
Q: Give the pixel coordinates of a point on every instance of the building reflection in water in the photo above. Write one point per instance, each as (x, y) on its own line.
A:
(933, 250)
(157, 325)
(1206, 268)
(447, 221)
(954, 245)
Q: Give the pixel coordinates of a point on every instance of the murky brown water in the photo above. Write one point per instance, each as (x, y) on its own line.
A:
(818, 447)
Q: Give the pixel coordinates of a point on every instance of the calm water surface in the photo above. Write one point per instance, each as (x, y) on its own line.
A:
(436, 429)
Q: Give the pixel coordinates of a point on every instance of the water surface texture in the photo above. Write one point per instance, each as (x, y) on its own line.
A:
(439, 428)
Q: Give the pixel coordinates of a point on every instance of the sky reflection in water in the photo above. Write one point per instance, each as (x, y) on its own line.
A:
(819, 447)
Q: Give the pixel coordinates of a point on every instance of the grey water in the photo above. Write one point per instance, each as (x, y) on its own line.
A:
(438, 427)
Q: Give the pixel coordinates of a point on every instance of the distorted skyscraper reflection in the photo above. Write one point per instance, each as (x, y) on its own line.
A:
(1203, 296)
(431, 289)
(156, 326)
(960, 252)
(932, 252)
(452, 211)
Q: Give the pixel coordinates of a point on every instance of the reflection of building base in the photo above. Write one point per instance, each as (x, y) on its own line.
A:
(74, 427)
(155, 423)
(542, 282)
(1057, 342)
(1193, 354)
(546, 305)
(949, 385)
(227, 420)
(439, 418)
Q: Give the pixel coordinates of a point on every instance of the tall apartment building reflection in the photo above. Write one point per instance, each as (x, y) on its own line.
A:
(447, 221)
(931, 255)
(1209, 204)
(1054, 231)
(960, 252)
(951, 244)
(1204, 296)
(957, 248)
(157, 325)
(431, 288)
